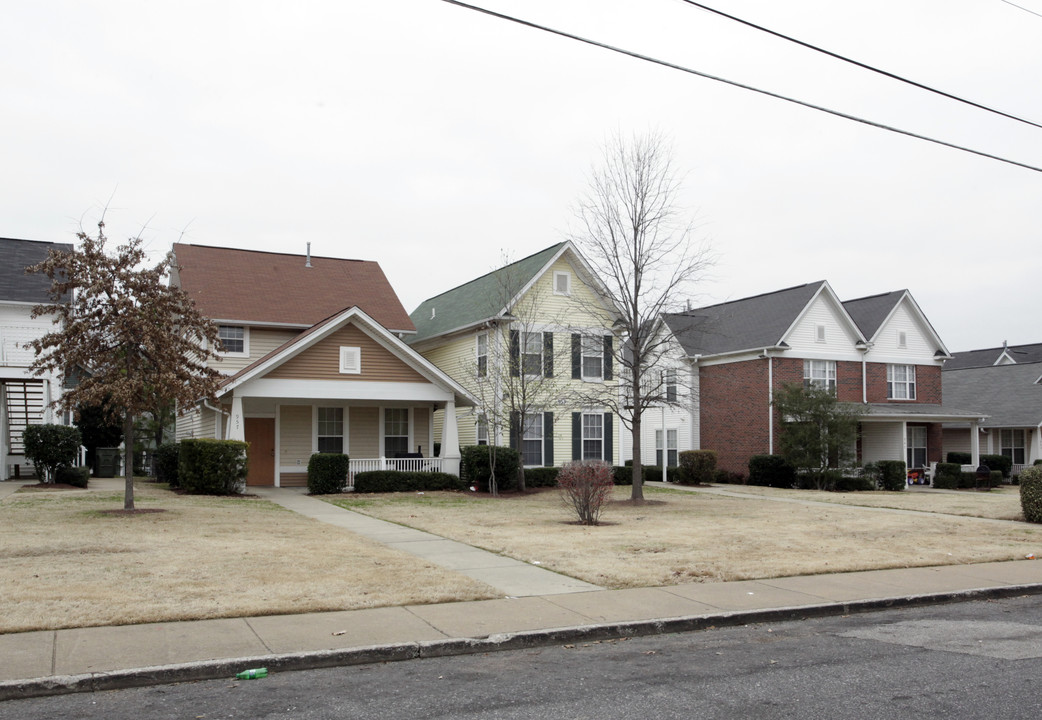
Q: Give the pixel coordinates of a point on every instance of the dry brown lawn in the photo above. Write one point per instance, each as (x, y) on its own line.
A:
(65, 562)
(686, 536)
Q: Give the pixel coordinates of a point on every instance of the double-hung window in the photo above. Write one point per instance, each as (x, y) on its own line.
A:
(1012, 442)
(532, 353)
(233, 339)
(670, 379)
(482, 353)
(820, 373)
(482, 430)
(592, 357)
(900, 382)
(330, 430)
(916, 446)
(396, 431)
(593, 436)
(671, 448)
(532, 440)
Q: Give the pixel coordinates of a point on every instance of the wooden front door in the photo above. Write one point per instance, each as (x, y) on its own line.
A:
(260, 434)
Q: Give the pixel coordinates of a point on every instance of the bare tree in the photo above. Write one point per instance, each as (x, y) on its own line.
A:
(142, 341)
(638, 239)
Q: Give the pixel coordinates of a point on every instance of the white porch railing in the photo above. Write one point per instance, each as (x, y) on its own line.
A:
(404, 464)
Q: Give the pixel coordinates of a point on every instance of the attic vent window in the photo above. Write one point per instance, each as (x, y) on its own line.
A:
(434, 312)
(902, 339)
(562, 283)
(819, 333)
(350, 361)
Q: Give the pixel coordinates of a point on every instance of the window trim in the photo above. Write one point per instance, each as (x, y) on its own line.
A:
(672, 447)
(828, 381)
(1012, 446)
(910, 449)
(523, 340)
(383, 429)
(318, 427)
(591, 347)
(669, 379)
(537, 422)
(600, 440)
(481, 428)
(567, 281)
(909, 383)
(245, 352)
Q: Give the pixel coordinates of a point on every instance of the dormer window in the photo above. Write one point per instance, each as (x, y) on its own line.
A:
(234, 339)
(350, 361)
(562, 283)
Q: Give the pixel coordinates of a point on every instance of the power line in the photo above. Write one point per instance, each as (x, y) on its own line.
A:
(865, 66)
(1019, 7)
(691, 71)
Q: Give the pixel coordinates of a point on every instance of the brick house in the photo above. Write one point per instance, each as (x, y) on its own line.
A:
(316, 362)
(879, 352)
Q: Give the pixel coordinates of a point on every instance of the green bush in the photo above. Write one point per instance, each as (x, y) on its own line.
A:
(327, 473)
(697, 467)
(728, 477)
(541, 477)
(622, 474)
(959, 458)
(854, 483)
(887, 474)
(212, 467)
(998, 462)
(948, 476)
(1037, 462)
(771, 471)
(996, 478)
(379, 481)
(1031, 493)
(167, 458)
(476, 466)
(76, 476)
(967, 480)
(48, 447)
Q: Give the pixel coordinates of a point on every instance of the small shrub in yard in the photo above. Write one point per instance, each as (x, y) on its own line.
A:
(541, 477)
(377, 481)
(48, 447)
(478, 461)
(854, 483)
(697, 467)
(948, 476)
(887, 474)
(585, 487)
(75, 476)
(212, 467)
(771, 471)
(998, 462)
(1031, 493)
(728, 477)
(622, 474)
(959, 458)
(167, 458)
(327, 473)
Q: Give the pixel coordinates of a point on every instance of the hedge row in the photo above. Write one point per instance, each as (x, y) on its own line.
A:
(1031, 493)
(380, 481)
(212, 467)
(327, 473)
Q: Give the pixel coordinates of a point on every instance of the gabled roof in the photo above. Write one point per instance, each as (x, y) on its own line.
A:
(1010, 394)
(250, 286)
(1018, 354)
(870, 312)
(761, 321)
(15, 285)
(308, 338)
(482, 298)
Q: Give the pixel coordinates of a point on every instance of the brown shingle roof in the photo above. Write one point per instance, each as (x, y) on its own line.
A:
(253, 286)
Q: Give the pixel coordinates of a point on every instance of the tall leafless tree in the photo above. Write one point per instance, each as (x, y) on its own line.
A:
(637, 235)
(142, 341)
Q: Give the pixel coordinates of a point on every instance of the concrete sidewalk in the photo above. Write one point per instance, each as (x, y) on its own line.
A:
(91, 659)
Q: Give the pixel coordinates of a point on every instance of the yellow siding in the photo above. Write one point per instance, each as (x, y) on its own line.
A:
(365, 438)
(457, 359)
(323, 361)
(293, 479)
(295, 435)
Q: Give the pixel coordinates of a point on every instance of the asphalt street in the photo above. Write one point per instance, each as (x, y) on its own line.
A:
(964, 660)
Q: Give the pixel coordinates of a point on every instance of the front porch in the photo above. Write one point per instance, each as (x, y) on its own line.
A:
(911, 433)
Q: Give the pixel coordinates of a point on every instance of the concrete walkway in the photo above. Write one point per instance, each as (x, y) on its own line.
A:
(512, 577)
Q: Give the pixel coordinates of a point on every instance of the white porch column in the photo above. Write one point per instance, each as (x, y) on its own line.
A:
(236, 422)
(974, 444)
(904, 443)
(4, 448)
(450, 452)
(48, 413)
(1036, 446)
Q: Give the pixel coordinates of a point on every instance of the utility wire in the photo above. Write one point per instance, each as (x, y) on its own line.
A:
(691, 71)
(1019, 7)
(865, 66)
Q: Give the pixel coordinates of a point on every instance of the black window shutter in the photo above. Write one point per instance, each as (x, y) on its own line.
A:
(515, 431)
(609, 451)
(608, 353)
(548, 439)
(548, 354)
(515, 353)
(577, 436)
(577, 356)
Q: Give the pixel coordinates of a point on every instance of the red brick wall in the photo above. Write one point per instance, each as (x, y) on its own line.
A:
(934, 442)
(734, 403)
(927, 384)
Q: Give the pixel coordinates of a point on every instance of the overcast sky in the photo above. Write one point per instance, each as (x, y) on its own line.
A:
(434, 139)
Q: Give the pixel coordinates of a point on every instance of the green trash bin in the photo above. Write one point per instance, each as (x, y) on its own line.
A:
(106, 462)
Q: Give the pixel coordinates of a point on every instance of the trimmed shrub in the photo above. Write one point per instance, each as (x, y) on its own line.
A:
(998, 462)
(379, 481)
(853, 483)
(167, 458)
(48, 447)
(1031, 493)
(959, 458)
(996, 478)
(967, 480)
(892, 475)
(728, 477)
(623, 474)
(327, 473)
(476, 466)
(75, 476)
(697, 467)
(948, 476)
(585, 488)
(1037, 462)
(771, 471)
(212, 467)
(541, 477)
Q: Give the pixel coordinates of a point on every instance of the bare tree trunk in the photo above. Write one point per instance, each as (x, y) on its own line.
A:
(128, 462)
(637, 494)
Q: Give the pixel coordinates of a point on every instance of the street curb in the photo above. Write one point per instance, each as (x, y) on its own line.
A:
(286, 662)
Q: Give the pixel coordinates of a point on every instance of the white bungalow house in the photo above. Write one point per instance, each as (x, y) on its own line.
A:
(316, 362)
